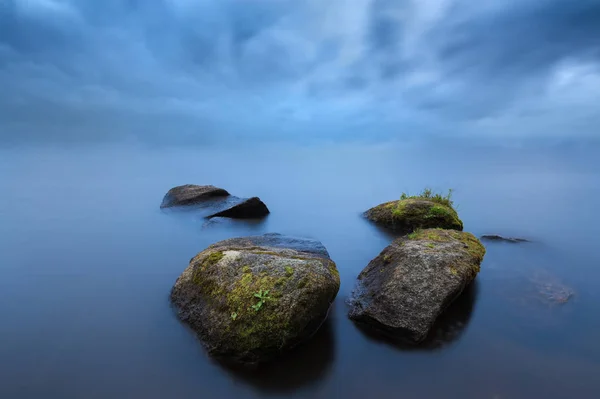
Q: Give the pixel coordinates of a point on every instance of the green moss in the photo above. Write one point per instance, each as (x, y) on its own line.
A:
(415, 212)
(302, 283)
(453, 270)
(333, 270)
(235, 295)
(212, 259)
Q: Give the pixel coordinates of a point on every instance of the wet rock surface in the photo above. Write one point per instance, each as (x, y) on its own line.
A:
(189, 194)
(250, 299)
(404, 290)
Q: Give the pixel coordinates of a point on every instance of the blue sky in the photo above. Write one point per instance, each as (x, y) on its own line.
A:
(299, 69)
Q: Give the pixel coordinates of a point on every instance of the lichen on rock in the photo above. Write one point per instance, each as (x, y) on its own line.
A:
(404, 289)
(249, 303)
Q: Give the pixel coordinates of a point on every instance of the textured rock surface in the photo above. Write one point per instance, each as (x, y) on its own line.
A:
(251, 208)
(414, 213)
(191, 194)
(404, 289)
(217, 295)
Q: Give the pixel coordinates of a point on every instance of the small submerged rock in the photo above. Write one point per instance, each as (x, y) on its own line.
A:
(189, 194)
(413, 213)
(402, 291)
(494, 237)
(550, 289)
(249, 299)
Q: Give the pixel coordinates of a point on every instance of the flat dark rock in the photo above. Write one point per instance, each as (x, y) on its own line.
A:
(190, 194)
(493, 237)
(251, 208)
(402, 291)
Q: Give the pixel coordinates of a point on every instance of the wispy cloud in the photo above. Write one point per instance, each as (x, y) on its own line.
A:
(204, 70)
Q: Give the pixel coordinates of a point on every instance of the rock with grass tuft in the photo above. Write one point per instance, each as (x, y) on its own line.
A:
(423, 211)
(403, 290)
(250, 299)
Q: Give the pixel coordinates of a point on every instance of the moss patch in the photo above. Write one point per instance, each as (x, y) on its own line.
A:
(231, 291)
(414, 212)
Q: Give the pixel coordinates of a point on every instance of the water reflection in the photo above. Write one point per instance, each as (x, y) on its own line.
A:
(447, 329)
(197, 215)
(302, 367)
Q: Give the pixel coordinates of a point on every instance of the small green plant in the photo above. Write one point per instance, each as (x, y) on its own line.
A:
(234, 316)
(414, 235)
(431, 245)
(263, 296)
(289, 271)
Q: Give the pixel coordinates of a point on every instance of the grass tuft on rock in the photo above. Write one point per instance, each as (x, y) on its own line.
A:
(428, 194)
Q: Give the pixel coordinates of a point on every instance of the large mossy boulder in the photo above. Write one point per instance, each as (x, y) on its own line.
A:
(189, 194)
(409, 214)
(402, 291)
(250, 299)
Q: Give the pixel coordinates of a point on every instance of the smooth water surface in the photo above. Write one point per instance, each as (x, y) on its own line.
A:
(87, 260)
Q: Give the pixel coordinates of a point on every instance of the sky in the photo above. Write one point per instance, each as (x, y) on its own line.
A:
(204, 71)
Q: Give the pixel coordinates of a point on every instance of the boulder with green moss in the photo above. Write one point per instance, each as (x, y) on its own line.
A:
(411, 213)
(250, 299)
(403, 290)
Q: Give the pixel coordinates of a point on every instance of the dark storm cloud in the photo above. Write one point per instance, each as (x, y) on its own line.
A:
(291, 68)
(521, 40)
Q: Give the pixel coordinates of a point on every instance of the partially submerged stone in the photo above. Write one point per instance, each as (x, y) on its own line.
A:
(252, 208)
(249, 299)
(215, 202)
(402, 291)
(189, 194)
(494, 237)
(414, 213)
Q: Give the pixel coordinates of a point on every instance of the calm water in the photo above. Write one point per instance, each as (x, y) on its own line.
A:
(87, 260)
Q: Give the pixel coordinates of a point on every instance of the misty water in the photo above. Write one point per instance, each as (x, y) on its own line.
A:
(87, 260)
